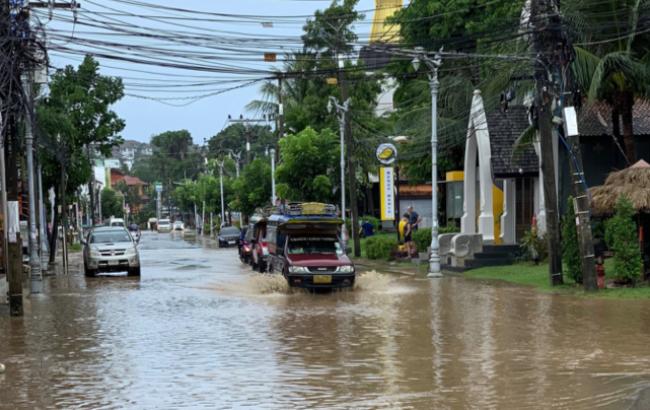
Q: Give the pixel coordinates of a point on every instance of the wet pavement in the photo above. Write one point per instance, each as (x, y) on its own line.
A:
(200, 330)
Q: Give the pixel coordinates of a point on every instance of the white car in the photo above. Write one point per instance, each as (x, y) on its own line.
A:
(164, 225)
(178, 226)
(110, 249)
(117, 222)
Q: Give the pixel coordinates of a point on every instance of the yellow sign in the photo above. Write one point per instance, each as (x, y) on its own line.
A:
(331, 81)
(387, 193)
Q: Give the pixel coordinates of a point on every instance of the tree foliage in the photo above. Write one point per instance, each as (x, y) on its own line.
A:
(308, 166)
(621, 237)
(112, 203)
(253, 188)
(570, 246)
(77, 113)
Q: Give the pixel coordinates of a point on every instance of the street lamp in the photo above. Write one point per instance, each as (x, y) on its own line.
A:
(433, 65)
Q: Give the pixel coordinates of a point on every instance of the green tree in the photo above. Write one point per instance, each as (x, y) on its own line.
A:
(570, 246)
(174, 159)
(76, 115)
(308, 162)
(252, 189)
(614, 64)
(467, 26)
(112, 203)
(232, 141)
(621, 237)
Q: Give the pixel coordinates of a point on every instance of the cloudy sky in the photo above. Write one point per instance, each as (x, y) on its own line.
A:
(107, 27)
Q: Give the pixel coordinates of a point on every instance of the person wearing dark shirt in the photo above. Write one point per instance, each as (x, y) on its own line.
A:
(414, 218)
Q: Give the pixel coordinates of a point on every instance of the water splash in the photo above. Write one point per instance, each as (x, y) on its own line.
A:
(373, 281)
(265, 284)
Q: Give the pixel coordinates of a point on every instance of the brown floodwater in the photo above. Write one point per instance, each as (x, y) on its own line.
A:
(200, 330)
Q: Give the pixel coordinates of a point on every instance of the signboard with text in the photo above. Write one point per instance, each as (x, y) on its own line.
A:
(387, 193)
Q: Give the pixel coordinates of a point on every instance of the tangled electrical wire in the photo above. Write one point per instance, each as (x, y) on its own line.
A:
(20, 52)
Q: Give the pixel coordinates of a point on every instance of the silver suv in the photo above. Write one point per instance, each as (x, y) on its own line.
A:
(110, 249)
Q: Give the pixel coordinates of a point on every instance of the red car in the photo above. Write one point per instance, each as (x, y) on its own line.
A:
(306, 248)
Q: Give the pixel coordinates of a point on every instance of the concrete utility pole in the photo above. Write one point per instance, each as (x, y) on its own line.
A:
(280, 108)
(433, 65)
(246, 122)
(236, 156)
(544, 42)
(273, 197)
(341, 112)
(34, 259)
(223, 211)
(581, 201)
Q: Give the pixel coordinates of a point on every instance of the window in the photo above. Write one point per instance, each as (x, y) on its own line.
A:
(314, 245)
(110, 237)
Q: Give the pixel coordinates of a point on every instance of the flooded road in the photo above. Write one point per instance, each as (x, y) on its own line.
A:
(200, 330)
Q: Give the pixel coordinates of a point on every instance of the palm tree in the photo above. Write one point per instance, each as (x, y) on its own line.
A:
(614, 70)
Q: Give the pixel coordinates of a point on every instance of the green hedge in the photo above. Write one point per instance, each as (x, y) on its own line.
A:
(422, 239)
(381, 246)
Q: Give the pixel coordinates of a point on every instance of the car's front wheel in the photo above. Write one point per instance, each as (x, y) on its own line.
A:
(134, 271)
(89, 272)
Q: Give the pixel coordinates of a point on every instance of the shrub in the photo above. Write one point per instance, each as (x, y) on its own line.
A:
(374, 221)
(535, 246)
(422, 239)
(570, 246)
(380, 246)
(621, 237)
(450, 228)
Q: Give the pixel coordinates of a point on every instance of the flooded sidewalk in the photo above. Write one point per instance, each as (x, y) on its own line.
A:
(200, 330)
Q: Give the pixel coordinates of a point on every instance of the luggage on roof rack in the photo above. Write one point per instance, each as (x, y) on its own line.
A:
(306, 209)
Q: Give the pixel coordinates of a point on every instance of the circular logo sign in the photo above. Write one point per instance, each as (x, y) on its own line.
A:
(386, 153)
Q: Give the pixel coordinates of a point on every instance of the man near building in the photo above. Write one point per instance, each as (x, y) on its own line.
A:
(414, 218)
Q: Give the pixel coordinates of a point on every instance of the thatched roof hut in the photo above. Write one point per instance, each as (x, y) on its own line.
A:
(632, 182)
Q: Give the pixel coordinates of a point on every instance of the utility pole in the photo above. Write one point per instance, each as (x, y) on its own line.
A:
(34, 259)
(434, 84)
(544, 42)
(341, 110)
(564, 57)
(273, 197)
(280, 108)
(236, 156)
(223, 212)
(247, 134)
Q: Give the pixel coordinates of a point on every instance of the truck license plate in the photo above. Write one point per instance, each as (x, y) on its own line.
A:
(322, 279)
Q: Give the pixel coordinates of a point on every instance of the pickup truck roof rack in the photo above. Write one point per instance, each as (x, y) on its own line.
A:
(303, 209)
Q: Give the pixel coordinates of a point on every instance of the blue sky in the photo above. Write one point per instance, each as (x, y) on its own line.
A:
(205, 117)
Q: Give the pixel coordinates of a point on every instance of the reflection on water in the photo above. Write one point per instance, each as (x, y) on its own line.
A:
(200, 330)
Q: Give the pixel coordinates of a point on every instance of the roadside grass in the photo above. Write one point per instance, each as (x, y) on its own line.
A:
(75, 247)
(536, 276)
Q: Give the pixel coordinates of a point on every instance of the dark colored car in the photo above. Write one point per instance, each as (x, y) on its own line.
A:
(228, 236)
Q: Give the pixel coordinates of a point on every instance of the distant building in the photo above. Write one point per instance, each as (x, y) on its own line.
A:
(131, 151)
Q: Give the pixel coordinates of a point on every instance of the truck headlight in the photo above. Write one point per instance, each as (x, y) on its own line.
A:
(130, 252)
(345, 269)
(298, 269)
(95, 253)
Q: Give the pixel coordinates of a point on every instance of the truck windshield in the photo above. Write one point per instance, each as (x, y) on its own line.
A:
(312, 245)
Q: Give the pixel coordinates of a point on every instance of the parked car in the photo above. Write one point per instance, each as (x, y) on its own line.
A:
(110, 249)
(164, 225)
(228, 236)
(178, 226)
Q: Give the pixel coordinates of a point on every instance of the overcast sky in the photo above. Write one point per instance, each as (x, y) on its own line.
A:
(208, 116)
